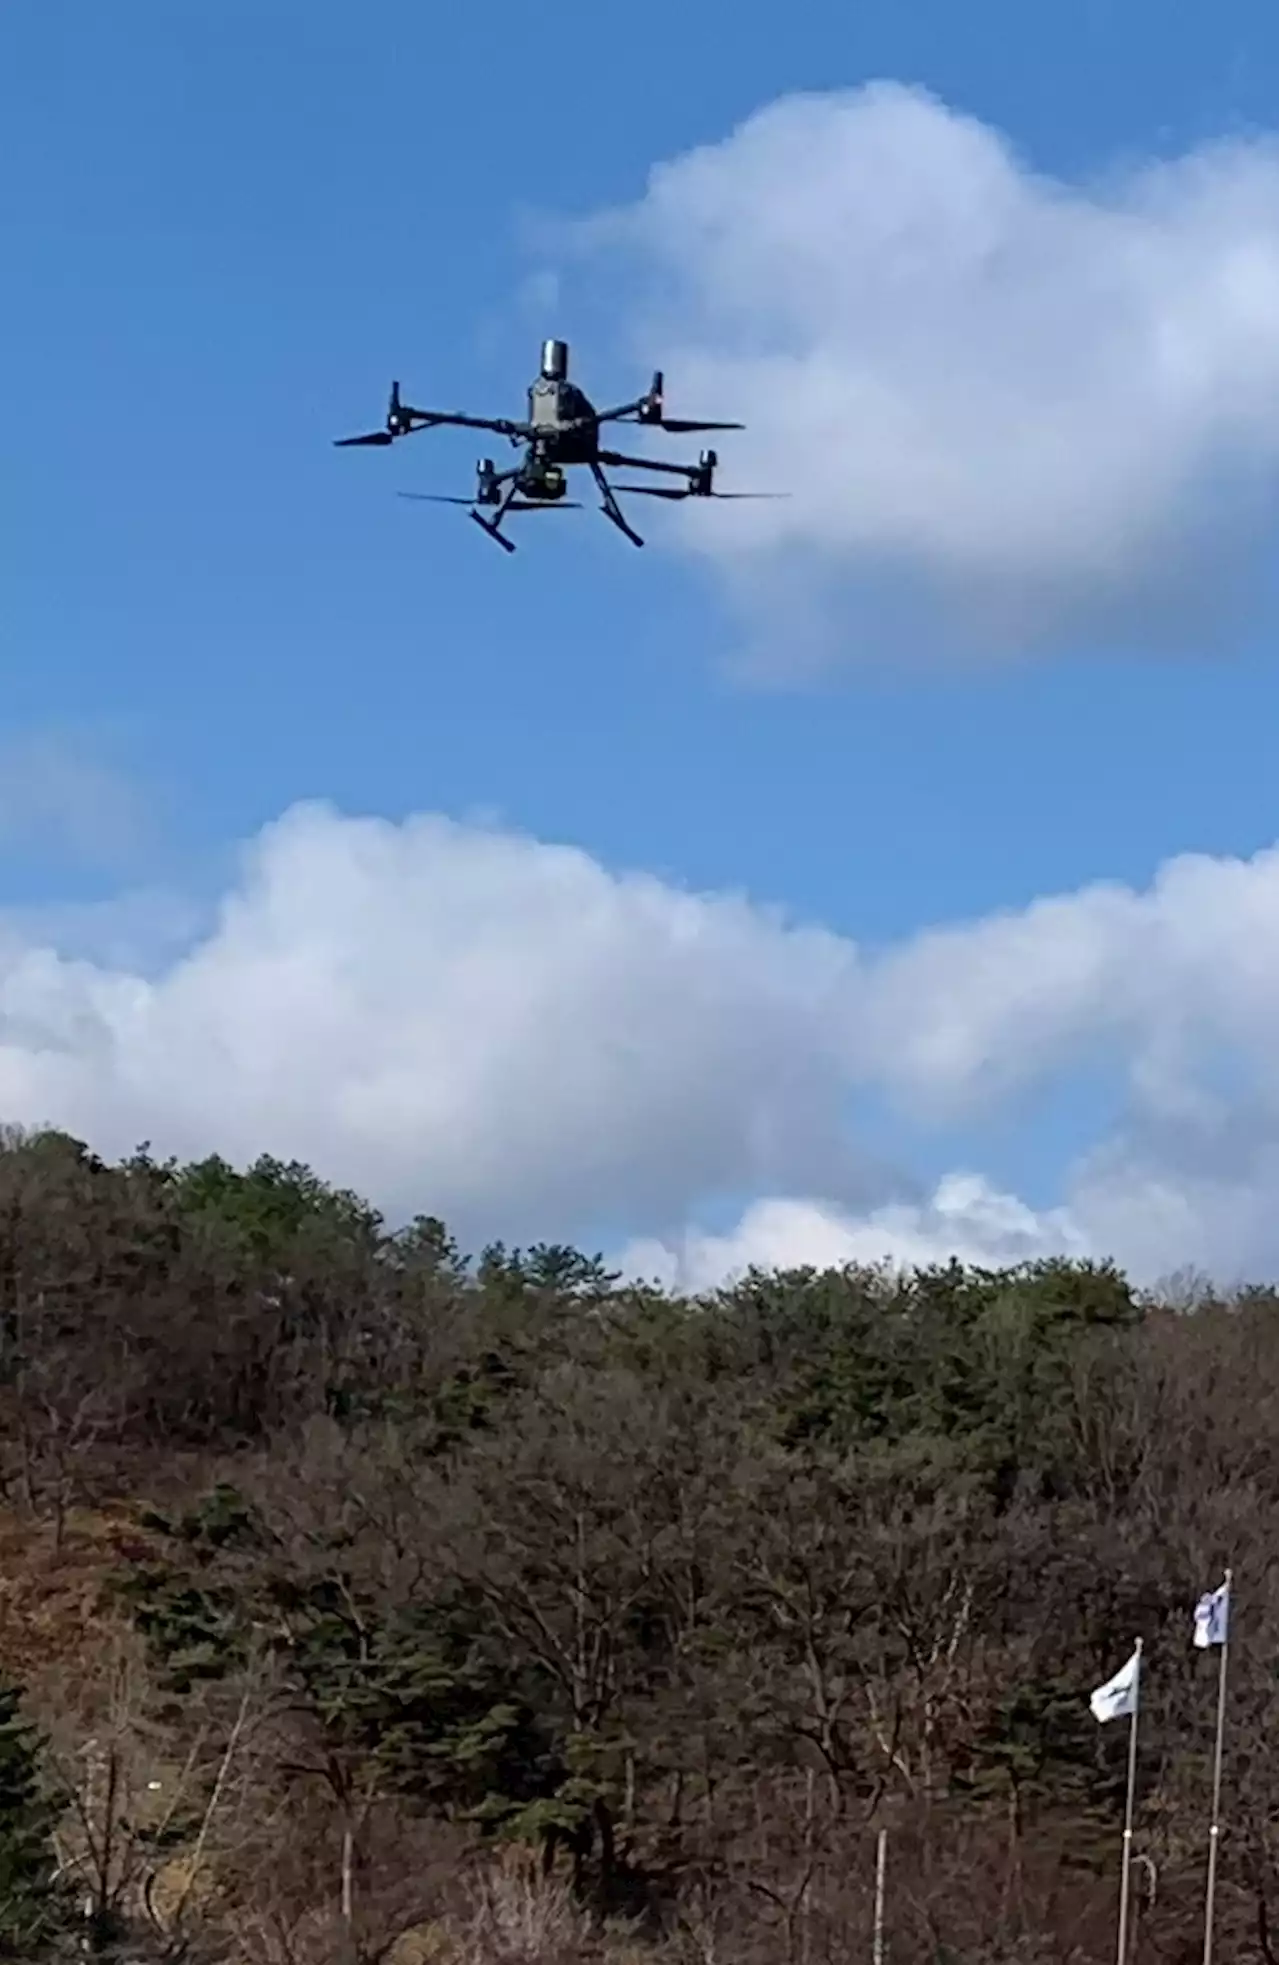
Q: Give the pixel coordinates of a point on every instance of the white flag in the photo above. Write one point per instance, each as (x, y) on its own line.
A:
(1211, 1615)
(1119, 1696)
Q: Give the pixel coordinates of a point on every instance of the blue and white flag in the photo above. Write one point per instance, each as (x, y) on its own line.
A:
(1211, 1617)
(1119, 1696)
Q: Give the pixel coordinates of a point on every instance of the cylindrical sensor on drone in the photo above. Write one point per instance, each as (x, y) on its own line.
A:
(555, 360)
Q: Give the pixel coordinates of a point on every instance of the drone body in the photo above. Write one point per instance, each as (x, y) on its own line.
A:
(562, 430)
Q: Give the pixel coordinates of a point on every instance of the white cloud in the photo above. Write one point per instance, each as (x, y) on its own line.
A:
(965, 1217)
(1001, 404)
(456, 1018)
(976, 1014)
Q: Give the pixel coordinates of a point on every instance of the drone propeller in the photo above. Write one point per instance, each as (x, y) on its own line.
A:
(683, 424)
(651, 414)
(516, 504)
(397, 425)
(435, 498)
(668, 491)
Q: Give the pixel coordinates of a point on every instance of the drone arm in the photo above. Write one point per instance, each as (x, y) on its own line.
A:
(623, 410)
(410, 421)
(431, 419)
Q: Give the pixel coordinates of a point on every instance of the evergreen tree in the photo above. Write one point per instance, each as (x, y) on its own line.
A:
(33, 1906)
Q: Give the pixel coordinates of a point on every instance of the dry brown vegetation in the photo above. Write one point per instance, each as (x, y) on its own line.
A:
(376, 1607)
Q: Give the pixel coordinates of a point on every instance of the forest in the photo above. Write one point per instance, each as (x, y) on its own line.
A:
(363, 1602)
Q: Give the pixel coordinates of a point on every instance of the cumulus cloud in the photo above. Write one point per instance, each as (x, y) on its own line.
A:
(457, 1018)
(451, 1016)
(1002, 405)
(965, 1218)
(975, 1014)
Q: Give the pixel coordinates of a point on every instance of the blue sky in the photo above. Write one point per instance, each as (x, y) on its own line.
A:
(226, 227)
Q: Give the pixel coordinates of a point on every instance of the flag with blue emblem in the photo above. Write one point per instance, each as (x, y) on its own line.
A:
(1211, 1616)
(1119, 1696)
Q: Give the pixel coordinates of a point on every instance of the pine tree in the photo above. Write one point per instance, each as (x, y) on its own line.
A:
(32, 1904)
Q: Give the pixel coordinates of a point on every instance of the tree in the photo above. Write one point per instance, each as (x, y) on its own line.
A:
(272, 1203)
(34, 1907)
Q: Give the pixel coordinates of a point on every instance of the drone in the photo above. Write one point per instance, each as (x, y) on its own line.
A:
(562, 429)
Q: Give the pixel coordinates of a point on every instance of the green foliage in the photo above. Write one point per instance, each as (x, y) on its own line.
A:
(1038, 1735)
(272, 1203)
(418, 1689)
(220, 1519)
(971, 1360)
(424, 1693)
(195, 1630)
(549, 1268)
(470, 1400)
(447, 1717)
(34, 1907)
(427, 1248)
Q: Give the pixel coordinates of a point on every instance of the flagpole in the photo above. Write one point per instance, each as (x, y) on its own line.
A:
(1215, 1827)
(877, 1940)
(1122, 1938)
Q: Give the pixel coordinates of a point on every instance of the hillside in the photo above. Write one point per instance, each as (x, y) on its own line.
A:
(369, 1603)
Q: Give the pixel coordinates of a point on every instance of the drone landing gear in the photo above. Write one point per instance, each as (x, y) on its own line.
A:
(491, 525)
(611, 508)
